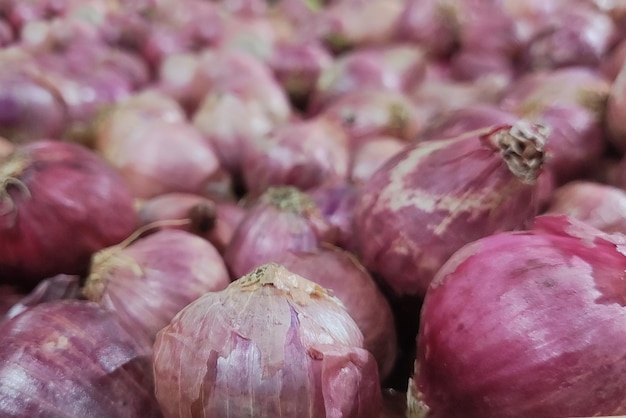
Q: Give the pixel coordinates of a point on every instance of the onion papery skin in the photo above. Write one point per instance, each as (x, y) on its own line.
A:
(271, 344)
(303, 154)
(437, 196)
(282, 219)
(213, 220)
(340, 272)
(148, 282)
(58, 195)
(526, 324)
(72, 359)
(599, 205)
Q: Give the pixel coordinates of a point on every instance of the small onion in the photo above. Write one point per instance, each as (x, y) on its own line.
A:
(271, 344)
(72, 359)
(147, 282)
(548, 305)
(599, 205)
(282, 219)
(303, 154)
(436, 196)
(340, 272)
(215, 221)
(56, 195)
(156, 152)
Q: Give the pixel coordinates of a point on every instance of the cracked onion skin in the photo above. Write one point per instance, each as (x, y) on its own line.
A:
(436, 196)
(526, 324)
(272, 344)
(72, 359)
(57, 195)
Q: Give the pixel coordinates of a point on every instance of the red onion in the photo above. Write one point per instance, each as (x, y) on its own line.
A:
(436, 196)
(336, 201)
(282, 219)
(469, 65)
(574, 36)
(616, 126)
(271, 344)
(341, 273)
(59, 287)
(372, 155)
(571, 102)
(548, 305)
(354, 23)
(147, 282)
(215, 221)
(303, 154)
(419, 22)
(155, 152)
(368, 113)
(599, 205)
(298, 65)
(72, 359)
(57, 195)
(398, 67)
(468, 119)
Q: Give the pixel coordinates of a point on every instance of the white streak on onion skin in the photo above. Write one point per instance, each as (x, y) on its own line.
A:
(271, 344)
(526, 324)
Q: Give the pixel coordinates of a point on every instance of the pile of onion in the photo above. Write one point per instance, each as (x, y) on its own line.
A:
(271, 344)
(526, 324)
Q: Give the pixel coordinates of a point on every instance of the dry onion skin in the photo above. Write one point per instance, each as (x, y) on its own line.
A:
(271, 344)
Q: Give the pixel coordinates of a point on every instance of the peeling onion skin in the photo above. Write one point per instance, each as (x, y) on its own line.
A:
(281, 219)
(526, 324)
(599, 205)
(340, 272)
(72, 359)
(437, 196)
(148, 282)
(219, 359)
(50, 188)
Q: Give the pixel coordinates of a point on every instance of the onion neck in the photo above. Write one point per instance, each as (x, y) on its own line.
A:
(103, 264)
(289, 199)
(522, 147)
(10, 169)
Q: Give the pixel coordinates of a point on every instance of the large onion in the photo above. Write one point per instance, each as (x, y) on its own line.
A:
(282, 219)
(146, 283)
(340, 272)
(526, 324)
(56, 195)
(271, 344)
(436, 196)
(72, 359)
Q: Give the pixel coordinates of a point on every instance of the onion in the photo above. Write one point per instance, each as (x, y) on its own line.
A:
(271, 344)
(372, 155)
(215, 221)
(59, 287)
(354, 23)
(599, 205)
(57, 195)
(303, 154)
(336, 201)
(367, 113)
(340, 272)
(398, 67)
(469, 65)
(571, 102)
(147, 282)
(548, 305)
(298, 65)
(616, 127)
(157, 153)
(436, 196)
(468, 119)
(72, 359)
(282, 219)
(419, 22)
